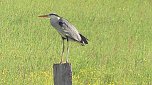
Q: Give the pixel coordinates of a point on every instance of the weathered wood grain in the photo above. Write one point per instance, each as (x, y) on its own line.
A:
(62, 74)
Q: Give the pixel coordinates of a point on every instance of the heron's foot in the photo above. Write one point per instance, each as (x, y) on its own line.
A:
(66, 61)
(61, 61)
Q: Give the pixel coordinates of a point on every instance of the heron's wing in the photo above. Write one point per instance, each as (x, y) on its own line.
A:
(69, 30)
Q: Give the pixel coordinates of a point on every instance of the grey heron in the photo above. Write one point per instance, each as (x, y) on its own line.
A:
(67, 31)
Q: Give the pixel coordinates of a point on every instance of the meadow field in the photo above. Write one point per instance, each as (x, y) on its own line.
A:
(119, 50)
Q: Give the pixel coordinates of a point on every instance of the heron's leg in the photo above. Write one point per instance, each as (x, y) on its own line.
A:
(67, 50)
(62, 50)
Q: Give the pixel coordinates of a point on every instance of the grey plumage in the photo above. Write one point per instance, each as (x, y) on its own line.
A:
(66, 30)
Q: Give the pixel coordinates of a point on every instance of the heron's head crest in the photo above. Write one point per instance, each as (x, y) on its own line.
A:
(53, 14)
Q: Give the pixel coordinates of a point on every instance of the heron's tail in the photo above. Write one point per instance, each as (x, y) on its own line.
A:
(84, 40)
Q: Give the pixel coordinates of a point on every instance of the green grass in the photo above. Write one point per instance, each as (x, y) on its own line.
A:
(119, 50)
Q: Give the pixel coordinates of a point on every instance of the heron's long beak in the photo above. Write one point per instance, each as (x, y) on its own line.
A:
(43, 16)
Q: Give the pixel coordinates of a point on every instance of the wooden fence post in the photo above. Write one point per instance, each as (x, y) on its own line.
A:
(62, 74)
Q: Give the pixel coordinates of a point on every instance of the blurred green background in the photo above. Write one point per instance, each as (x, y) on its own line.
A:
(119, 50)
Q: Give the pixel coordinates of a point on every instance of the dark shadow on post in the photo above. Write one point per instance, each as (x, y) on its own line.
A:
(62, 74)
